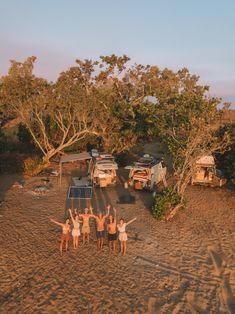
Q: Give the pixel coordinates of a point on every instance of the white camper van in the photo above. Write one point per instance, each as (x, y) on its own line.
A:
(146, 173)
(102, 169)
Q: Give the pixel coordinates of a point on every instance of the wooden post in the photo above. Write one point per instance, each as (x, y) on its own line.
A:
(60, 173)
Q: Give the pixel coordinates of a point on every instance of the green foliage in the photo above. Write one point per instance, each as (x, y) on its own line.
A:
(33, 166)
(25, 137)
(113, 105)
(163, 201)
(226, 161)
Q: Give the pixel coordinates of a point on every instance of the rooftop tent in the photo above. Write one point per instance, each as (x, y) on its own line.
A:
(71, 158)
(103, 165)
(206, 160)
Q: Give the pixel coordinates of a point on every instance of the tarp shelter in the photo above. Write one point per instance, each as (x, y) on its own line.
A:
(71, 158)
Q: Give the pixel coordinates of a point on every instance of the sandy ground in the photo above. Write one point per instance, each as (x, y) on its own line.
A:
(183, 266)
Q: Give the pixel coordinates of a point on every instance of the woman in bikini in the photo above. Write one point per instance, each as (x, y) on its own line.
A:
(122, 234)
(76, 229)
(112, 232)
(64, 235)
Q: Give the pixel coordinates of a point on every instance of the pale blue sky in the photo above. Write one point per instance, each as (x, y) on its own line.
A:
(198, 34)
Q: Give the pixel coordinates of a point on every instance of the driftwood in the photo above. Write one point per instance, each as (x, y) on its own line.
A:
(172, 212)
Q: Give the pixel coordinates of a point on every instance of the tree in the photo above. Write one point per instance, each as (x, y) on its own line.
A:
(56, 115)
(187, 123)
(226, 161)
(91, 99)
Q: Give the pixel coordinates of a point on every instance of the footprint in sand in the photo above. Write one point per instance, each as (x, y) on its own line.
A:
(153, 306)
(227, 293)
(195, 306)
(224, 274)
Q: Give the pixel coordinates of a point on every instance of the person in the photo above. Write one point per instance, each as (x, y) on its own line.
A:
(76, 229)
(112, 231)
(122, 234)
(100, 220)
(65, 234)
(85, 226)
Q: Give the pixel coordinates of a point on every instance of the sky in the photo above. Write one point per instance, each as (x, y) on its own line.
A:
(197, 34)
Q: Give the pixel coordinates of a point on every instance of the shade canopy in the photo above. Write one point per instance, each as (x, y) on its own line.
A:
(75, 157)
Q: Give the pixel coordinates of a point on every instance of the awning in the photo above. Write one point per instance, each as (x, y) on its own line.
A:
(75, 157)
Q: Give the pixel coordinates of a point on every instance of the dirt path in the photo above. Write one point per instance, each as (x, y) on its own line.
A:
(185, 266)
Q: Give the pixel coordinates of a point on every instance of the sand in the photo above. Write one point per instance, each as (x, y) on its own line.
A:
(183, 266)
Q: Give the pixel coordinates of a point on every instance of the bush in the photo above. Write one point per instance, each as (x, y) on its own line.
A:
(226, 161)
(163, 201)
(11, 163)
(33, 166)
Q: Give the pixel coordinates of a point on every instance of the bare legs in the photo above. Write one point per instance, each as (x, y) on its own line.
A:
(61, 246)
(75, 242)
(123, 247)
(100, 243)
(85, 237)
(112, 246)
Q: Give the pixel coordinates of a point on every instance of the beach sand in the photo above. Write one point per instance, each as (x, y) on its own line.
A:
(183, 266)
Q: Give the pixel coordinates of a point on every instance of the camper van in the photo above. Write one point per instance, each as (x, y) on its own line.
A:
(102, 169)
(146, 173)
(206, 172)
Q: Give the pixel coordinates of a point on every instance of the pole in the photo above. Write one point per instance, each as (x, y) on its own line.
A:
(60, 173)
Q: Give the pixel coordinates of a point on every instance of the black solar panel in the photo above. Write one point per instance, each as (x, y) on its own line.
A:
(82, 192)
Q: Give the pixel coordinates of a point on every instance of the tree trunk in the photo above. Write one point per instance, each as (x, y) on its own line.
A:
(46, 158)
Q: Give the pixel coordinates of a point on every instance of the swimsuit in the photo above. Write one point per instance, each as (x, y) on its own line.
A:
(76, 229)
(86, 229)
(64, 236)
(122, 232)
(112, 236)
(100, 234)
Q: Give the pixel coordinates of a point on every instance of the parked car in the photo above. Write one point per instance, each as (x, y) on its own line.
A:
(146, 173)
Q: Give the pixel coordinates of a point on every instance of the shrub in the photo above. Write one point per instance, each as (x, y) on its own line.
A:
(11, 163)
(226, 161)
(33, 166)
(123, 159)
(165, 200)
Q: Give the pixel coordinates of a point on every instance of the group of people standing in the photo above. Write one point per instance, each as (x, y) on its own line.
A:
(112, 229)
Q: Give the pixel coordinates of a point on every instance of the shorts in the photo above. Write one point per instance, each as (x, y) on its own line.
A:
(86, 229)
(76, 233)
(100, 234)
(122, 236)
(65, 237)
(112, 236)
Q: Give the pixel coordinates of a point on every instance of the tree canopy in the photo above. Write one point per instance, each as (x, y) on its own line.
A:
(116, 104)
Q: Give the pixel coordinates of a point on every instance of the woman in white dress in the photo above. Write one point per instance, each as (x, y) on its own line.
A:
(122, 234)
(76, 229)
